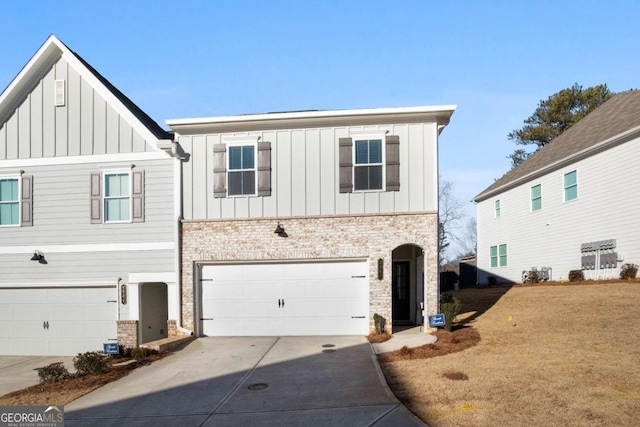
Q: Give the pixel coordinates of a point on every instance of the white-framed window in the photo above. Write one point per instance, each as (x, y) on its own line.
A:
(241, 170)
(570, 186)
(117, 196)
(9, 201)
(496, 208)
(498, 255)
(536, 197)
(368, 168)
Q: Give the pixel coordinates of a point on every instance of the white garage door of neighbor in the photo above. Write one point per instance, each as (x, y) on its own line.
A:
(310, 298)
(56, 321)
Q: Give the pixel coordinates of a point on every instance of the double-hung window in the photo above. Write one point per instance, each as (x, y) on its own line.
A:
(497, 208)
(570, 186)
(242, 170)
(536, 197)
(498, 255)
(117, 196)
(9, 201)
(368, 171)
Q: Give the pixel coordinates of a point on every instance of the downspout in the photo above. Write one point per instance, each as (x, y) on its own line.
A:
(178, 154)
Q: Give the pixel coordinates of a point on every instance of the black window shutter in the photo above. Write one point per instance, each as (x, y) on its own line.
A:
(219, 170)
(27, 201)
(346, 165)
(264, 168)
(392, 147)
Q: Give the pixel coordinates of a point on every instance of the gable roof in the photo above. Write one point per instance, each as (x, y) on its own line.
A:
(51, 51)
(614, 122)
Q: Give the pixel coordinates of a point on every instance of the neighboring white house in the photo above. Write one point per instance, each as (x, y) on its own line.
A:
(572, 205)
(89, 209)
(309, 223)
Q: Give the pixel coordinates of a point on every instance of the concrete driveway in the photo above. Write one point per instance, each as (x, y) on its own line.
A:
(18, 372)
(319, 381)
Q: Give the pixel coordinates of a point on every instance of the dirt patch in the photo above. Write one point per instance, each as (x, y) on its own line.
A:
(378, 338)
(69, 389)
(550, 354)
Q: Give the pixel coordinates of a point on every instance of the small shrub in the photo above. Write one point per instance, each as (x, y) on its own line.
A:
(492, 280)
(141, 353)
(576, 276)
(379, 322)
(91, 363)
(628, 271)
(450, 306)
(52, 373)
(406, 351)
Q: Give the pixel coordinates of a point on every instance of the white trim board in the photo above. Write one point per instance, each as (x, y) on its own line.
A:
(107, 283)
(76, 160)
(99, 247)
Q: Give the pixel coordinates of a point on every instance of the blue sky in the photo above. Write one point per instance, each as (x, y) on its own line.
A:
(494, 59)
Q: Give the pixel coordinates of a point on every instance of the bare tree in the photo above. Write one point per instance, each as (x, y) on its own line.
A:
(451, 213)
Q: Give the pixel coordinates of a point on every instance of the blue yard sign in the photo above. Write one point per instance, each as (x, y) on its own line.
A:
(111, 348)
(436, 320)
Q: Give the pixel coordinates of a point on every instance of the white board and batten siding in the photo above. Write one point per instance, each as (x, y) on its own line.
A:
(281, 299)
(552, 236)
(305, 174)
(85, 125)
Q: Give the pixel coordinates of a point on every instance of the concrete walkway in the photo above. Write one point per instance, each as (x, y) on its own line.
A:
(319, 381)
(18, 372)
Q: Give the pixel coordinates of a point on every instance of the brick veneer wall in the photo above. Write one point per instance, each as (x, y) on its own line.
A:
(363, 236)
(128, 333)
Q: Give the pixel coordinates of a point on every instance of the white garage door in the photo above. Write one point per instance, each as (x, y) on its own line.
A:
(310, 298)
(56, 321)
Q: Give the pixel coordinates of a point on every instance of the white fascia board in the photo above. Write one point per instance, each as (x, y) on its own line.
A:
(168, 277)
(48, 53)
(438, 113)
(77, 160)
(97, 247)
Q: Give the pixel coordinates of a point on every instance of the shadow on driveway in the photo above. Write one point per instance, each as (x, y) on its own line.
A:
(250, 381)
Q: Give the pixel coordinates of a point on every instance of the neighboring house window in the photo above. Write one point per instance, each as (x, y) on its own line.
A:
(498, 255)
(117, 196)
(16, 201)
(369, 163)
(367, 171)
(536, 197)
(502, 255)
(242, 169)
(570, 186)
(497, 208)
(9, 201)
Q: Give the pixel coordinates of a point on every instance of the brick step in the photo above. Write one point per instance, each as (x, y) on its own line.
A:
(167, 344)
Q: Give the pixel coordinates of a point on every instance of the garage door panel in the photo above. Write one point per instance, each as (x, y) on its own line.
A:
(261, 289)
(230, 308)
(320, 298)
(78, 320)
(104, 311)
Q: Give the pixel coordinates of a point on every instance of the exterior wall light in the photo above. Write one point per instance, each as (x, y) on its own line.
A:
(38, 256)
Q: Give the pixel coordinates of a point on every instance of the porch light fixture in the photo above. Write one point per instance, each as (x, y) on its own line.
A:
(38, 256)
(280, 231)
(380, 268)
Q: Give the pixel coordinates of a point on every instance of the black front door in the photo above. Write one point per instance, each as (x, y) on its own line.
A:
(400, 292)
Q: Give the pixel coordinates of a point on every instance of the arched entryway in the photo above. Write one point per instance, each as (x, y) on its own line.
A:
(407, 287)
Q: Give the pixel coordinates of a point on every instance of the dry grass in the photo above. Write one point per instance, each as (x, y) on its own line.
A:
(549, 355)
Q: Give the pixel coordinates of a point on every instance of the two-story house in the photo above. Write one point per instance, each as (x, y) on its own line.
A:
(310, 223)
(570, 206)
(89, 210)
